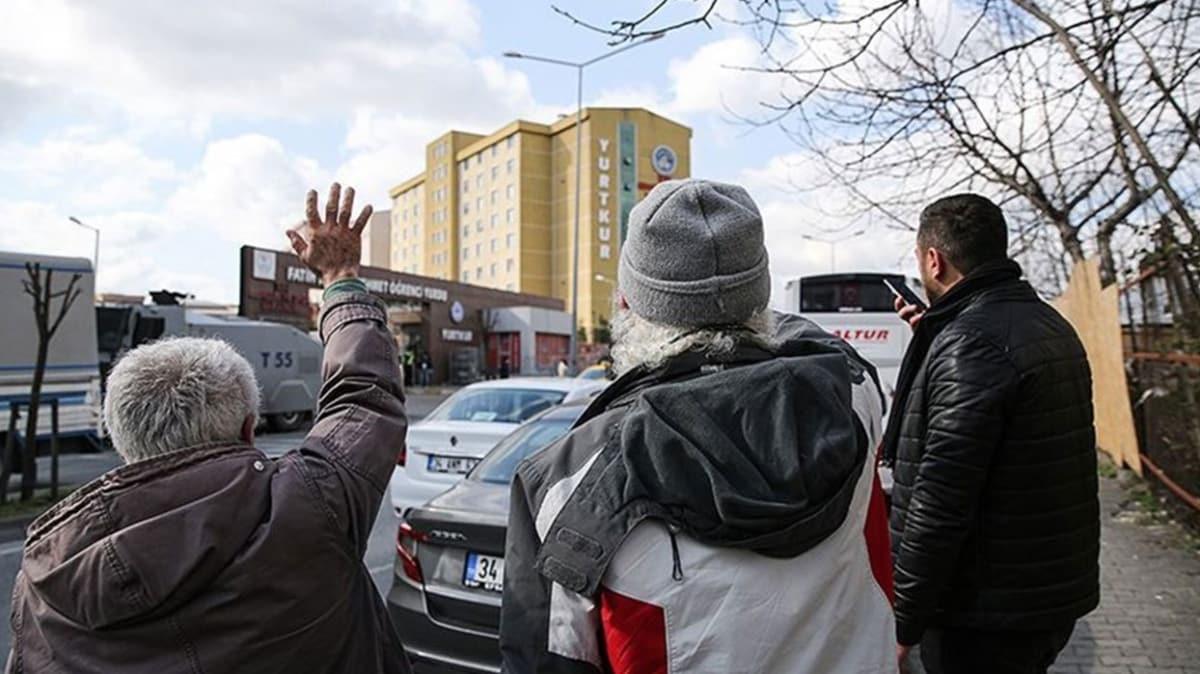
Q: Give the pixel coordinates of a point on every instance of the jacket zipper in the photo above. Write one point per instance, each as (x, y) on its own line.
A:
(677, 566)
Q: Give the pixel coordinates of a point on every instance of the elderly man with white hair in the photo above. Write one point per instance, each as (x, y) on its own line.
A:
(202, 554)
(716, 508)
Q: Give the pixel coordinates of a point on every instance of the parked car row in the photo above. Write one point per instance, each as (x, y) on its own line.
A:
(451, 491)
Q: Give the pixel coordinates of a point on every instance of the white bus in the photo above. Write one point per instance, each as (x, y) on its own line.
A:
(858, 308)
(72, 371)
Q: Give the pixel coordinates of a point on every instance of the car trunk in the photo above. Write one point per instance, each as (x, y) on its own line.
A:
(445, 451)
(461, 553)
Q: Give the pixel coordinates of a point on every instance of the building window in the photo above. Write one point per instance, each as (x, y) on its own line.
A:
(466, 230)
(511, 163)
(466, 207)
(494, 149)
(466, 252)
(462, 166)
(479, 273)
(510, 191)
(493, 270)
(508, 240)
(508, 216)
(478, 158)
(493, 197)
(508, 142)
(479, 203)
(493, 244)
(466, 186)
(479, 224)
(508, 287)
(478, 249)
(479, 181)
(466, 276)
(510, 265)
(495, 172)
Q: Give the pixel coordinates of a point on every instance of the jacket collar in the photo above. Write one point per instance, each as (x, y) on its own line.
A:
(964, 292)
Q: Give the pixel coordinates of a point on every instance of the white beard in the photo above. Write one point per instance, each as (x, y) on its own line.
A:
(637, 341)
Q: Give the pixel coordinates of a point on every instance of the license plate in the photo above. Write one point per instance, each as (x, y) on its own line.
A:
(484, 571)
(451, 464)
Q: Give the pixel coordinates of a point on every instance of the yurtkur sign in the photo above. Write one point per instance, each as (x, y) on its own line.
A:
(604, 211)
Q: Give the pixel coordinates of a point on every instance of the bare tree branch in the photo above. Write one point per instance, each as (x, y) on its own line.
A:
(622, 31)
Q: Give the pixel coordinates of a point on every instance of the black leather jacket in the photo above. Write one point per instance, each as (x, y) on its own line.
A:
(995, 522)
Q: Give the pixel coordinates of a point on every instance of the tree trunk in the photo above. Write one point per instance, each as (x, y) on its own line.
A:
(29, 455)
(1070, 241)
(1108, 266)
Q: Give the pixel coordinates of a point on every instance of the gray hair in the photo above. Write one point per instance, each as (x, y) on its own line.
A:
(176, 393)
(640, 341)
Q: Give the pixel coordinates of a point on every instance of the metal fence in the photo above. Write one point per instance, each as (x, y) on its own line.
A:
(1164, 384)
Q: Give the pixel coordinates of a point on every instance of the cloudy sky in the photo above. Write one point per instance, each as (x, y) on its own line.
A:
(184, 130)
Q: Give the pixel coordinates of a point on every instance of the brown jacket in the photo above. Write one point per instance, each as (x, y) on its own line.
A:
(217, 559)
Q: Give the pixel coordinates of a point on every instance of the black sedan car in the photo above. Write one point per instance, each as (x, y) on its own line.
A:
(445, 597)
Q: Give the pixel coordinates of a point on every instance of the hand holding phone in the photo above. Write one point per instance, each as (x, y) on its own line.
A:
(910, 307)
(905, 293)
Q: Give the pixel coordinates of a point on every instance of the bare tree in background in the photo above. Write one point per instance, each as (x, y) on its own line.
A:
(1079, 116)
(39, 286)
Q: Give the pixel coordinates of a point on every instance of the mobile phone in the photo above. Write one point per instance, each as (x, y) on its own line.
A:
(905, 293)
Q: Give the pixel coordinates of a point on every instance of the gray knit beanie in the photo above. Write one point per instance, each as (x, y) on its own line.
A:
(694, 256)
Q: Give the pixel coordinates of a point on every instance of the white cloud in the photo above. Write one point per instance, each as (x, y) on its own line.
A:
(188, 223)
(246, 189)
(796, 204)
(86, 171)
(301, 60)
(712, 79)
(396, 75)
(128, 239)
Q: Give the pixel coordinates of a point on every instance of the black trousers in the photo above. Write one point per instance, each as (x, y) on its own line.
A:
(964, 651)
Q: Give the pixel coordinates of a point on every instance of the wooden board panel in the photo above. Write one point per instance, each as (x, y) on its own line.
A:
(1093, 311)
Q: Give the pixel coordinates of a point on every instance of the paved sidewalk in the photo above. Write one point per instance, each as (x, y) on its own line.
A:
(1149, 615)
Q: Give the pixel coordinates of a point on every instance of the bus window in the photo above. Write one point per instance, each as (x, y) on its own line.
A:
(847, 293)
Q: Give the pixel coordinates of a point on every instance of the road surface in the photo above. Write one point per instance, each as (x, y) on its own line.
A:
(81, 468)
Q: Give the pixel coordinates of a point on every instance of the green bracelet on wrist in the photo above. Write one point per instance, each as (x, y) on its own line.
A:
(345, 285)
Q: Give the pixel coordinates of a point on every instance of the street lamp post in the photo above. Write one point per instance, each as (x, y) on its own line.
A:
(578, 66)
(832, 243)
(96, 251)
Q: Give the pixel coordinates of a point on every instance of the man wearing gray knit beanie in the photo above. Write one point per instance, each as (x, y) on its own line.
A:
(716, 508)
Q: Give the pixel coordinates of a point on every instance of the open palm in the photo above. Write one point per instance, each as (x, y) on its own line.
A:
(331, 246)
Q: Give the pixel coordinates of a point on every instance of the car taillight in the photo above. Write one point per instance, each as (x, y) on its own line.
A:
(406, 547)
(402, 456)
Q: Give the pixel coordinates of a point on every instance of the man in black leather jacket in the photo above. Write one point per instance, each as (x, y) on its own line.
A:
(995, 521)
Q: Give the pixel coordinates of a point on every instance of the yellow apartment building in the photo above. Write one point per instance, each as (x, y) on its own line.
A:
(498, 210)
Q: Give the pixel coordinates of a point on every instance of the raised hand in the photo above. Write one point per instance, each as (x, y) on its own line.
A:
(331, 246)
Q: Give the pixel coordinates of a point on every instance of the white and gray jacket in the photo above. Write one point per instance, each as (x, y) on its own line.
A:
(717, 514)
